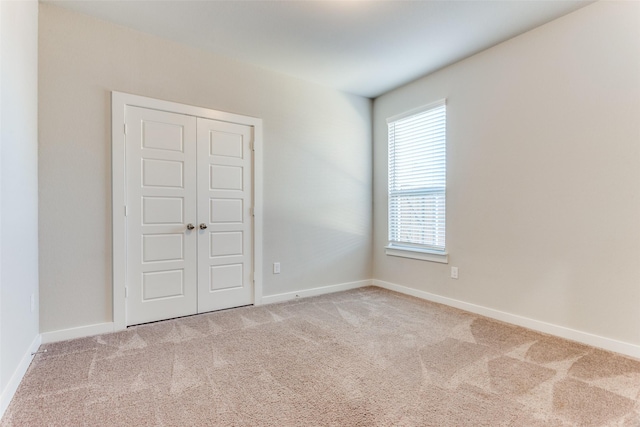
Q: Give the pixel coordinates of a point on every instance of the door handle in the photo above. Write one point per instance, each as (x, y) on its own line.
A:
(203, 226)
(190, 226)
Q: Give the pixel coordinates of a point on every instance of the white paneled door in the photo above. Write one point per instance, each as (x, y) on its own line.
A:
(188, 220)
(225, 250)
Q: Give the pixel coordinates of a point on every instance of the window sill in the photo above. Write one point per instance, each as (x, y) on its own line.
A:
(421, 254)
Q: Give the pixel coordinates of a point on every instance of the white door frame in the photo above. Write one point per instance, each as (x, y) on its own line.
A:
(119, 102)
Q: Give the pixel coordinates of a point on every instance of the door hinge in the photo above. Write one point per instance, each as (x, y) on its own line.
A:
(126, 292)
(252, 212)
(125, 128)
(126, 211)
(252, 145)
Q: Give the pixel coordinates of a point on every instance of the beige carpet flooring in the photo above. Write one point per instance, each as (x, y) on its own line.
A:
(367, 357)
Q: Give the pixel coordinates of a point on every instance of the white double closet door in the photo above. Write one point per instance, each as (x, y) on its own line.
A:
(189, 215)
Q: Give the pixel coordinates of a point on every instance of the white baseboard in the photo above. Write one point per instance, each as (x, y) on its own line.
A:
(79, 332)
(104, 328)
(270, 299)
(621, 347)
(18, 374)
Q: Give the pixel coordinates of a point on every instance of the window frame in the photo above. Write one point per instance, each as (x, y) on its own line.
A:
(408, 250)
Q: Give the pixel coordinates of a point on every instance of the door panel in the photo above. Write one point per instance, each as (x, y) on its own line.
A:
(226, 177)
(163, 136)
(161, 199)
(162, 173)
(226, 211)
(163, 247)
(225, 277)
(162, 210)
(225, 244)
(225, 247)
(162, 284)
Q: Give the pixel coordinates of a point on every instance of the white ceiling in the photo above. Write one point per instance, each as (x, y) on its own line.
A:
(362, 47)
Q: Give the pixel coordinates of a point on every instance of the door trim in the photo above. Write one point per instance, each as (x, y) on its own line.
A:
(119, 102)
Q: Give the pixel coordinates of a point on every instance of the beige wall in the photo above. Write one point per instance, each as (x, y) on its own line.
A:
(19, 187)
(543, 175)
(317, 160)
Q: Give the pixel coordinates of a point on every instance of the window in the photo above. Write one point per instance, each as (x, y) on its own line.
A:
(417, 183)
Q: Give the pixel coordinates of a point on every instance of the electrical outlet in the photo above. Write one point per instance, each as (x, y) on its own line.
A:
(33, 303)
(454, 272)
(276, 268)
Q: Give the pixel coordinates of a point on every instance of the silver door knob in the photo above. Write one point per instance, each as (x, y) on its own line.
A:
(190, 226)
(203, 226)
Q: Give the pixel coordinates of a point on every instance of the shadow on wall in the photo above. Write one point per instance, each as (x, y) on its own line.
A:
(319, 202)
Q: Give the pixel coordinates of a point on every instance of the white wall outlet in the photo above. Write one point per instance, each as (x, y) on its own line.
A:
(454, 272)
(33, 303)
(276, 268)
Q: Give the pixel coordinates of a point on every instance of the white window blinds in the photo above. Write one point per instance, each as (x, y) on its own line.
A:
(417, 179)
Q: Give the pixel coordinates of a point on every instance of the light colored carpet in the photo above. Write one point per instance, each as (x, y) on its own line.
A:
(367, 357)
